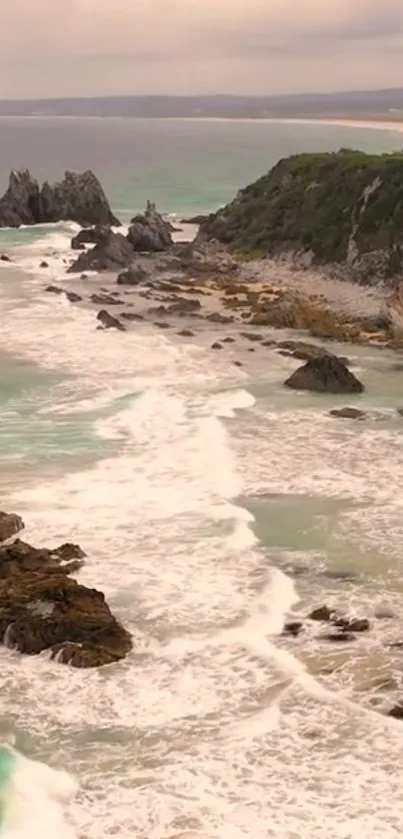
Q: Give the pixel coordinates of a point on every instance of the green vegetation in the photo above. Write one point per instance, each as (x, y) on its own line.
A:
(340, 206)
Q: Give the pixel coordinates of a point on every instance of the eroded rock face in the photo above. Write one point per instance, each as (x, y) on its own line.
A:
(42, 608)
(150, 232)
(78, 197)
(10, 524)
(111, 252)
(325, 374)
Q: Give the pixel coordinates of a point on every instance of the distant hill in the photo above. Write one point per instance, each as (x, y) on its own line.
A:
(378, 104)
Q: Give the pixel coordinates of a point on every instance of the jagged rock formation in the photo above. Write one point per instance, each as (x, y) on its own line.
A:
(149, 231)
(43, 608)
(343, 209)
(78, 197)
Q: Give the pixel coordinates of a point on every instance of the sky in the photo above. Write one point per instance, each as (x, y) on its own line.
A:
(105, 47)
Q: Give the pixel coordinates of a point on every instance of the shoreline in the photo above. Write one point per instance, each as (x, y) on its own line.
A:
(380, 124)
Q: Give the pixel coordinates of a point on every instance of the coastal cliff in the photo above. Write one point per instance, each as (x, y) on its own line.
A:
(342, 209)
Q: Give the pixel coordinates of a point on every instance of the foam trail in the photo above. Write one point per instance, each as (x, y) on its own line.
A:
(32, 798)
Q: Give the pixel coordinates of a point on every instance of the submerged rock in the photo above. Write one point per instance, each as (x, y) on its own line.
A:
(42, 608)
(325, 374)
(149, 231)
(348, 413)
(78, 197)
(323, 613)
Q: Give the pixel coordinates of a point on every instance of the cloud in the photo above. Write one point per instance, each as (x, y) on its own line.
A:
(57, 47)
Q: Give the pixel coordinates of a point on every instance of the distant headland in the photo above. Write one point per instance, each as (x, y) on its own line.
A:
(375, 106)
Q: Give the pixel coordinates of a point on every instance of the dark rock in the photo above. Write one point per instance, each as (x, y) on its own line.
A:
(268, 343)
(293, 628)
(251, 336)
(238, 363)
(396, 712)
(357, 625)
(150, 232)
(323, 614)
(83, 277)
(162, 324)
(131, 316)
(54, 289)
(251, 349)
(228, 340)
(90, 236)
(338, 637)
(5, 258)
(216, 317)
(303, 350)
(111, 252)
(69, 551)
(109, 322)
(10, 524)
(44, 264)
(348, 413)
(325, 374)
(132, 276)
(42, 608)
(73, 297)
(79, 197)
(105, 300)
(186, 333)
(217, 346)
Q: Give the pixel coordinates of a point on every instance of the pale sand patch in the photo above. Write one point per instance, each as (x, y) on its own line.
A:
(342, 296)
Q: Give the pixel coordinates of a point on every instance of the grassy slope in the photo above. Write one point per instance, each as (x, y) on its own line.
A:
(315, 202)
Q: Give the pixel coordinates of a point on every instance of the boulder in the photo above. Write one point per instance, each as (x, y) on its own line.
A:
(105, 300)
(5, 258)
(112, 251)
(10, 524)
(348, 413)
(324, 374)
(42, 608)
(303, 350)
(132, 276)
(322, 613)
(54, 289)
(396, 712)
(293, 628)
(78, 197)
(109, 322)
(149, 231)
(73, 297)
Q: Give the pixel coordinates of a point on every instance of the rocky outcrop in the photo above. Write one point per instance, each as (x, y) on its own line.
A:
(78, 197)
(111, 252)
(342, 209)
(10, 524)
(134, 275)
(43, 608)
(107, 321)
(325, 374)
(150, 232)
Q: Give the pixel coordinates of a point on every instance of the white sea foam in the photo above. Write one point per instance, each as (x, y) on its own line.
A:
(212, 724)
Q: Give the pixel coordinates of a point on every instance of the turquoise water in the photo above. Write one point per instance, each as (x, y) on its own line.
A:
(212, 505)
(185, 166)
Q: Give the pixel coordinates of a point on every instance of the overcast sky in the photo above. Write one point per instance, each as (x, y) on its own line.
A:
(95, 47)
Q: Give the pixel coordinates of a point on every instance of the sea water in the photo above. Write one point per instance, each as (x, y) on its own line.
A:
(212, 505)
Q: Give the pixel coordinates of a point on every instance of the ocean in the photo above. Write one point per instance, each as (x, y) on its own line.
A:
(213, 505)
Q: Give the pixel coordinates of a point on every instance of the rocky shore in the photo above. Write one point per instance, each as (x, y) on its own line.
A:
(43, 609)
